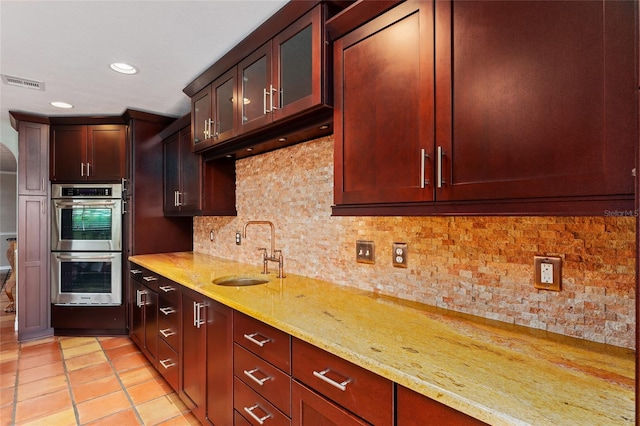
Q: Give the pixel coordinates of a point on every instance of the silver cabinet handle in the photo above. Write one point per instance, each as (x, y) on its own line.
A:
(249, 374)
(249, 411)
(166, 332)
(135, 271)
(322, 375)
(82, 169)
(272, 89)
(251, 338)
(150, 278)
(167, 310)
(167, 363)
(197, 314)
(138, 299)
(167, 288)
(423, 160)
(439, 180)
(264, 101)
(88, 169)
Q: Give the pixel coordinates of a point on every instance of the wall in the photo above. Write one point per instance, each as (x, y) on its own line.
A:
(478, 265)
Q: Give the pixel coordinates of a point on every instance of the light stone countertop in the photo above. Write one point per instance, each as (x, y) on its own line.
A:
(499, 373)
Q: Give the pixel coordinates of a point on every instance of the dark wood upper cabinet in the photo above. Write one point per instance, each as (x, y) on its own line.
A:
(272, 87)
(539, 101)
(214, 112)
(474, 107)
(193, 187)
(384, 116)
(87, 153)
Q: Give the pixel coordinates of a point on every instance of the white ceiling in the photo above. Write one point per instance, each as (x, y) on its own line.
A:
(69, 45)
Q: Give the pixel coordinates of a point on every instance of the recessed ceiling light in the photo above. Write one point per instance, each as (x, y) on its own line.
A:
(61, 105)
(123, 68)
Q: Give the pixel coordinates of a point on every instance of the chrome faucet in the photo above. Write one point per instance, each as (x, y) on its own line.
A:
(271, 257)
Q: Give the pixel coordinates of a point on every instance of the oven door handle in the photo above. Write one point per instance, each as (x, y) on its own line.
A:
(85, 204)
(81, 257)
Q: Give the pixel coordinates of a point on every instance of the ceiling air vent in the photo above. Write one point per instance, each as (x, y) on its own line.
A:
(22, 82)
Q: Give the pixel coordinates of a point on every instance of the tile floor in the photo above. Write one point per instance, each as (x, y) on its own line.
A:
(60, 381)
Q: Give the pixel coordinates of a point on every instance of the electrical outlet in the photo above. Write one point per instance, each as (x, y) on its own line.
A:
(365, 252)
(400, 255)
(547, 272)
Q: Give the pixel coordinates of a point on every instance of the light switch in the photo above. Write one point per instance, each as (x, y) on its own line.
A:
(365, 252)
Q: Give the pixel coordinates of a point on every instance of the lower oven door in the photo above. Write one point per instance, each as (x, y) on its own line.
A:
(85, 278)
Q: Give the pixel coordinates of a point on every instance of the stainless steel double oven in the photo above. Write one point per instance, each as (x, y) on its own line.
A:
(86, 244)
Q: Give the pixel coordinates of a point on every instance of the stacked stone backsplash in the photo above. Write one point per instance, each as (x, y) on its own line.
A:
(477, 265)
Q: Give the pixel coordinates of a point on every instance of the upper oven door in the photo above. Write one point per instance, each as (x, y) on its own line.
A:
(86, 225)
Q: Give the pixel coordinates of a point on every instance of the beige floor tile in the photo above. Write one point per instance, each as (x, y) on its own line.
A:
(114, 342)
(161, 409)
(41, 387)
(70, 342)
(149, 390)
(123, 418)
(182, 420)
(74, 351)
(95, 388)
(87, 374)
(45, 405)
(86, 360)
(7, 395)
(138, 375)
(63, 418)
(102, 406)
(39, 373)
(130, 361)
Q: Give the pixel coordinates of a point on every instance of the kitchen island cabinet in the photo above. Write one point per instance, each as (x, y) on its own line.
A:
(486, 107)
(472, 365)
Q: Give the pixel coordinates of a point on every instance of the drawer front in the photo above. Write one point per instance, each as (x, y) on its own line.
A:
(238, 420)
(310, 408)
(254, 408)
(144, 276)
(169, 291)
(169, 310)
(263, 340)
(169, 332)
(262, 377)
(168, 364)
(358, 390)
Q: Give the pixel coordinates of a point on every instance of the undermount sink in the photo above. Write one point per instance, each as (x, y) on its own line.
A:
(240, 280)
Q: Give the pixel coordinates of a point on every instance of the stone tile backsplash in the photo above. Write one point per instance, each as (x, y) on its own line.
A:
(477, 265)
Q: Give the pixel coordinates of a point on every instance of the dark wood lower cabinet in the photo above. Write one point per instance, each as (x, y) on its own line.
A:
(193, 387)
(414, 409)
(219, 363)
(206, 385)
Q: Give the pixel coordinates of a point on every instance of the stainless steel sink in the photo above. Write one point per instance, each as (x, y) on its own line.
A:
(240, 280)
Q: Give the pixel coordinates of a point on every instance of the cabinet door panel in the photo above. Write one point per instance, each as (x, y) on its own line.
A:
(225, 106)
(384, 114)
(297, 61)
(194, 355)
(539, 90)
(219, 363)
(255, 72)
(106, 152)
(171, 172)
(190, 178)
(68, 153)
(33, 141)
(200, 116)
(413, 409)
